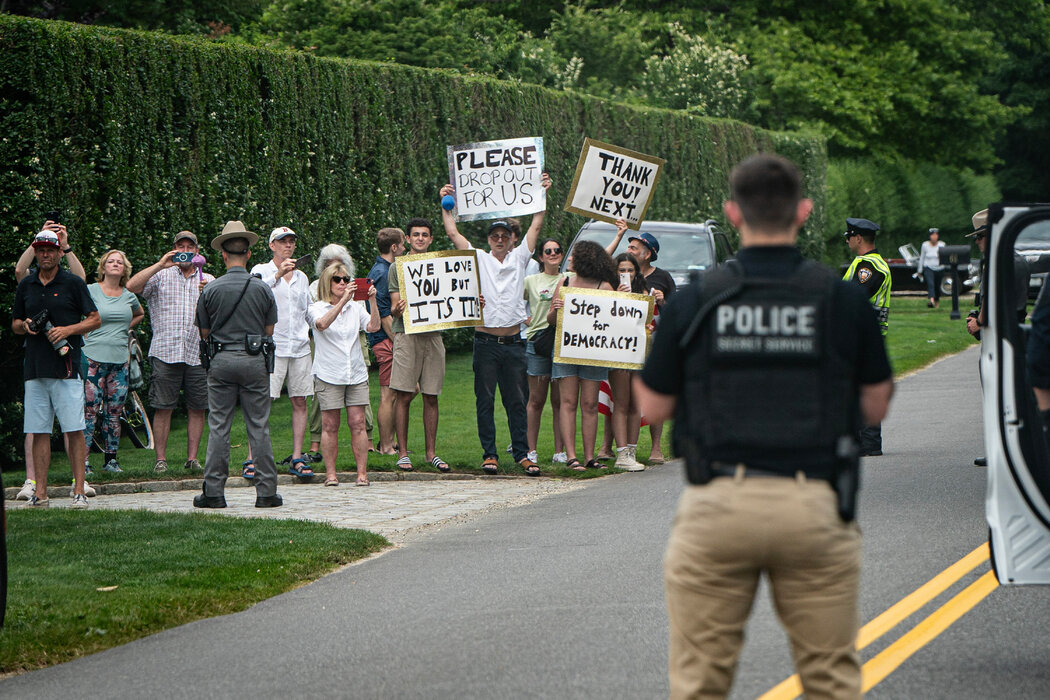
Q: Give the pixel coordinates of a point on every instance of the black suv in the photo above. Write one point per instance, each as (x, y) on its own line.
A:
(683, 247)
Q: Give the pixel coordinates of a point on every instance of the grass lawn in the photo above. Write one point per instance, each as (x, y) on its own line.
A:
(138, 573)
(457, 440)
(919, 335)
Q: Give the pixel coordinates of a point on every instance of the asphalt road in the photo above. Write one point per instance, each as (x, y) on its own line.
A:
(563, 598)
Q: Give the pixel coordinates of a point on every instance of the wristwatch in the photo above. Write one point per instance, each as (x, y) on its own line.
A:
(67, 249)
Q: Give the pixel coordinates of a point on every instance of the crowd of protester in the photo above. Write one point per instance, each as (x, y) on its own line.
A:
(323, 337)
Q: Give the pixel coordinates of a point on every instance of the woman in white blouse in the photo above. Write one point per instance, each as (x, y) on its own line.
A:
(930, 267)
(340, 375)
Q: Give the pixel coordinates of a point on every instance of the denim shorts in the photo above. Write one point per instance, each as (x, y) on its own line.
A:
(47, 398)
(594, 374)
(538, 365)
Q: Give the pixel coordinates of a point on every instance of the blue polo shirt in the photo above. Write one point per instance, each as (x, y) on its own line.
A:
(379, 275)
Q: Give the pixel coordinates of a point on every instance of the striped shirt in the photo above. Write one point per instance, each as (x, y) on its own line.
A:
(172, 301)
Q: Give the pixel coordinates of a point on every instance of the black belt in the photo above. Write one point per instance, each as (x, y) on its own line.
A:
(500, 339)
(219, 347)
(729, 469)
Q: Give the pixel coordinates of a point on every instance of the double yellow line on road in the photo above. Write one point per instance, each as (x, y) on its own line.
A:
(886, 661)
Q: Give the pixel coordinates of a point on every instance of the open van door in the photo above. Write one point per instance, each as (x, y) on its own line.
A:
(1017, 502)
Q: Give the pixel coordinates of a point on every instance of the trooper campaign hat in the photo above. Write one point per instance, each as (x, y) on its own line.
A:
(862, 227)
(980, 223)
(234, 229)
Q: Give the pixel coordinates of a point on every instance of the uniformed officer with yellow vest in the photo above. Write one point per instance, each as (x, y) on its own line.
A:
(870, 271)
(767, 365)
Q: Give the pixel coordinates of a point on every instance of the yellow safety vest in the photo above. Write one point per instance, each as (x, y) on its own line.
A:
(880, 300)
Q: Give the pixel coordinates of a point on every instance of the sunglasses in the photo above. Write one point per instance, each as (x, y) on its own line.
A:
(500, 236)
(552, 251)
(337, 279)
(981, 236)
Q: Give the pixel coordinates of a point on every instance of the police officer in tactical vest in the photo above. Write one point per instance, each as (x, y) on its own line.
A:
(871, 272)
(767, 366)
(236, 315)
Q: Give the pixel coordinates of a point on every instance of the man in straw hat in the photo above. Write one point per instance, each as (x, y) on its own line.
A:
(236, 315)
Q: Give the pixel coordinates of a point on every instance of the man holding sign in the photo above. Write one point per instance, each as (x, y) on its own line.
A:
(419, 360)
(499, 352)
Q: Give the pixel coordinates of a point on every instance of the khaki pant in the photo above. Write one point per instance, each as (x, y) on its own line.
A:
(725, 535)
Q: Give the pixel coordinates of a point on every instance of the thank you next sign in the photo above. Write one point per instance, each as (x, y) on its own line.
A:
(613, 183)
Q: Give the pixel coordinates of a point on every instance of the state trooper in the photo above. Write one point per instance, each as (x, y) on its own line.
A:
(767, 365)
(236, 315)
(870, 271)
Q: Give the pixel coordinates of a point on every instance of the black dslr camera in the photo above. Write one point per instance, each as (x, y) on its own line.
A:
(41, 323)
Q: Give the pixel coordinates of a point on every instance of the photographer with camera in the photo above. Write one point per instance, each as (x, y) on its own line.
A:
(53, 308)
(171, 288)
(236, 316)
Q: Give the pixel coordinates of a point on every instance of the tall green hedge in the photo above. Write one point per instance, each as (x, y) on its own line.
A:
(135, 136)
(906, 199)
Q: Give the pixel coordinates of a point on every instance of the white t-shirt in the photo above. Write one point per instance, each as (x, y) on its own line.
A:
(337, 349)
(929, 256)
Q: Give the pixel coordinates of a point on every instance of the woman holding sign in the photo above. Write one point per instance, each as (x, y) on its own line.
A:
(340, 375)
(579, 384)
(539, 291)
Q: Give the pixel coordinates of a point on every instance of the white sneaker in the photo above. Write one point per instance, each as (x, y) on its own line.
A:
(532, 456)
(89, 490)
(625, 460)
(80, 502)
(28, 488)
(560, 458)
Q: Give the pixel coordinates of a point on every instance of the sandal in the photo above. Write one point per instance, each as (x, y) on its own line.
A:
(530, 467)
(248, 469)
(595, 464)
(490, 466)
(441, 465)
(574, 464)
(404, 463)
(331, 482)
(300, 469)
(361, 481)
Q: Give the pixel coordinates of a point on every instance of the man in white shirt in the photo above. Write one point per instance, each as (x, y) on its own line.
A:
(291, 290)
(499, 352)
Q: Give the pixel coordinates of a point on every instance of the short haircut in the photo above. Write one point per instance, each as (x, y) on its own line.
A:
(324, 285)
(236, 247)
(387, 237)
(333, 251)
(419, 222)
(101, 271)
(767, 188)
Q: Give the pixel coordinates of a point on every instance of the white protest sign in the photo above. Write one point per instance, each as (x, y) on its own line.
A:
(603, 328)
(497, 179)
(613, 183)
(441, 290)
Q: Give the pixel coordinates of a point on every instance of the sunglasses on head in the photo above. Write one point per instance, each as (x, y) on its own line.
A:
(552, 251)
(339, 278)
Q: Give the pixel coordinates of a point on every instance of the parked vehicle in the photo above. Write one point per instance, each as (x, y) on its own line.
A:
(684, 247)
(1034, 247)
(1017, 502)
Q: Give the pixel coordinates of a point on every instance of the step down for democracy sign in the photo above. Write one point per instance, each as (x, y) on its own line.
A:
(603, 328)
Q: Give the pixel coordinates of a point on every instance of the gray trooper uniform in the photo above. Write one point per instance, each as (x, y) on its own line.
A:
(235, 376)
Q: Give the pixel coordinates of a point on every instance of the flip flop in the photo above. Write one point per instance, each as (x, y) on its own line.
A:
(248, 469)
(331, 482)
(441, 465)
(361, 482)
(404, 463)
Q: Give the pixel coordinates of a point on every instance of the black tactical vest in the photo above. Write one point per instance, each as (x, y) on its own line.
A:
(763, 383)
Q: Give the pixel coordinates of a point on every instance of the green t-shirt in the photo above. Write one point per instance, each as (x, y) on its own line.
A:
(109, 342)
(539, 292)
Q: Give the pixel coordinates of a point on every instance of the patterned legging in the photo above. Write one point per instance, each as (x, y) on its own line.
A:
(104, 383)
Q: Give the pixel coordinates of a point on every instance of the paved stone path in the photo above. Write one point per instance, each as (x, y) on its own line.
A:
(394, 508)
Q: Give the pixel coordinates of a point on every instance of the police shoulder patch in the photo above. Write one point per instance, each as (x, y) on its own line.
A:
(863, 274)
